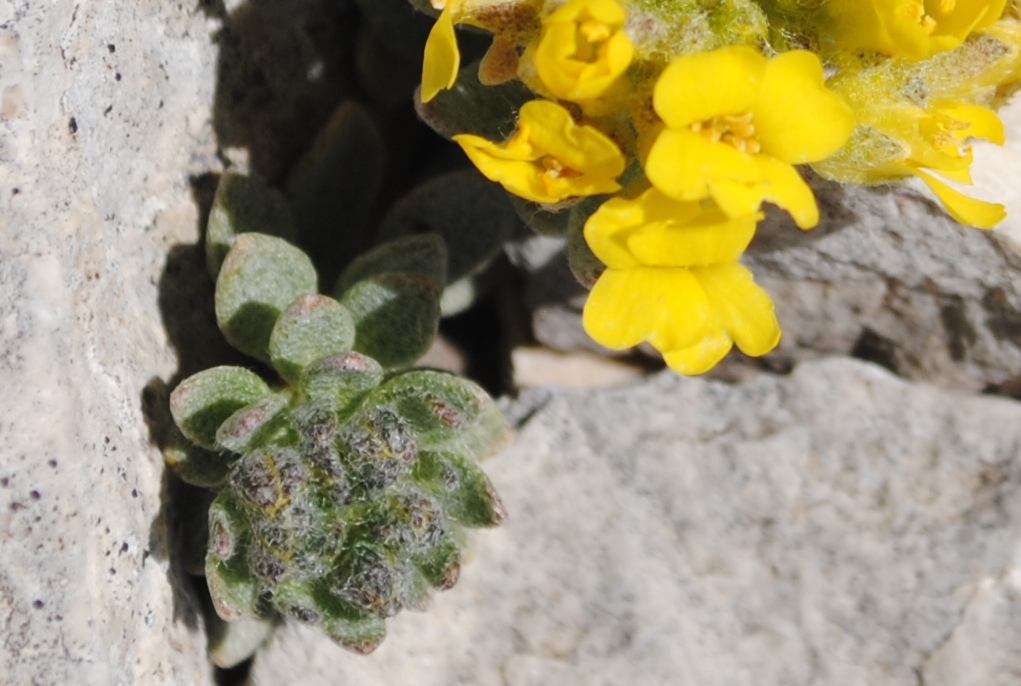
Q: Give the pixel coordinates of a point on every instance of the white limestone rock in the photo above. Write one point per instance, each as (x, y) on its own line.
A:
(837, 526)
(111, 119)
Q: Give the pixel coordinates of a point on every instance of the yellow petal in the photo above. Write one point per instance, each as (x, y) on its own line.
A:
(708, 238)
(549, 158)
(738, 198)
(666, 307)
(982, 121)
(442, 58)
(582, 50)
(967, 15)
(785, 188)
(970, 211)
(703, 85)
(681, 164)
(744, 309)
(608, 229)
(701, 357)
(579, 147)
(796, 119)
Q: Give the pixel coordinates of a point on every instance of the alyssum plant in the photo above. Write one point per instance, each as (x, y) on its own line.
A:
(346, 483)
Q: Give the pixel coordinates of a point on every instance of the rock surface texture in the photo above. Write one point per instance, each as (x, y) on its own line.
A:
(835, 526)
(111, 114)
(105, 114)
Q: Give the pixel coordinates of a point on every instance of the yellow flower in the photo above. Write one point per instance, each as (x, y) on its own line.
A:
(912, 28)
(549, 158)
(734, 125)
(672, 279)
(442, 58)
(511, 23)
(582, 49)
(938, 146)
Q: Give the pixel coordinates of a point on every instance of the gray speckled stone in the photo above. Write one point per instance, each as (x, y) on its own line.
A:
(112, 116)
(837, 526)
(105, 113)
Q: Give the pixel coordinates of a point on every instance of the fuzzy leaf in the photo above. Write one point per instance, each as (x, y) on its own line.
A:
(475, 219)
(231, 643)
(396, 316)
(423, 254)
(204, 400)
(260, 277)
(583, 263)
(466, 492)
(252, 425)
(360, 633)
(342, 380)
(297, 599)
(233, 589)
(486, 435)
(542, 220)
(311, 328)
(332, 188)
(228, 528)
(471, 107)
(439, 405)
(196, 465)
(441, 566)
(244, 204)
(472, 215)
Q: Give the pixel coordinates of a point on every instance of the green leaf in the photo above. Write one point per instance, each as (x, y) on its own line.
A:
(196, 465)
(360, 635)
(311, 328)
(228, 528)
(441, 566)
(203, 401)
(396, 316)
(296, 599)
(341, 381)
(234, 591)
(253, 424)
(260, 277)
(334, 185)
(466, 492)
(231, 643)
(585, 266)
(423, 254)
(244, 204)
(438, 405)
(474, 217)
(471, 107)
(355, 629)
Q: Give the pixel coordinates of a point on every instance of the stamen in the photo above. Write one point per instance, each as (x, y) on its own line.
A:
(594, 31)
(735, 130)
(555, 169)
(591, 34)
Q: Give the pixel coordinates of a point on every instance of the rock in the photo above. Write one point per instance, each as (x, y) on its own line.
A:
(542, 367)
(835, 526)
(106, 113)
(110, 122)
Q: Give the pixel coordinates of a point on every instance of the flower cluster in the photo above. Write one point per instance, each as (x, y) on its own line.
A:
(691, 114)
